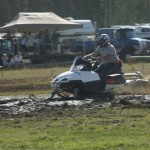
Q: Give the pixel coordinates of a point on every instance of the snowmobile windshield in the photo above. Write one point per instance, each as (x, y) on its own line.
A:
(78, 62)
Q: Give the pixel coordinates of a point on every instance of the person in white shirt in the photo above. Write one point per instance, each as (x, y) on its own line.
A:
(12, 61)
(19, 60)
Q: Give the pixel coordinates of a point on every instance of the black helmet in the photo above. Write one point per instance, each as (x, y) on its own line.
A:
(102, 40)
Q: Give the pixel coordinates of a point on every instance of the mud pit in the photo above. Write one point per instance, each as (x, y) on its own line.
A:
(30, 105)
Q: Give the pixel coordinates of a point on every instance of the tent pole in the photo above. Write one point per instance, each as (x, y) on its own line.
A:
(17, 40)
(83, 44)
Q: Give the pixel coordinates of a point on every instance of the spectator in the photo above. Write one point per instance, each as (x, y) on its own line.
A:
(5, 61)
(19, 60)
(47, 39)
(23, 42)
(12, 61)
(30, 40)
(36, 44)
(55, 39)
(15, 45)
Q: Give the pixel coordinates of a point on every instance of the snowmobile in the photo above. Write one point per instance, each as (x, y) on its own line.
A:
(81, 81)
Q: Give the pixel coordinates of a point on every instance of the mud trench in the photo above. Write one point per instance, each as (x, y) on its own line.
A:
(30, 105)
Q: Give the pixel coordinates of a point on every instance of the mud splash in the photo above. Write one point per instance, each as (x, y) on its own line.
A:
(25, 105)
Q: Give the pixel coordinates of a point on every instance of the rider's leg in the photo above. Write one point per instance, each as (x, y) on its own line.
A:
(99, 69)
(108, 68)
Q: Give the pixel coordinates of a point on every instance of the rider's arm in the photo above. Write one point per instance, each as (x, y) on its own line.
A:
(94, 54)
(90, 55)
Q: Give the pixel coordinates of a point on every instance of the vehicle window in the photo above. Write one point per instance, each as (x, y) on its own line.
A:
(145, 30)
(6, 45)
(117, 34)
(128, 33)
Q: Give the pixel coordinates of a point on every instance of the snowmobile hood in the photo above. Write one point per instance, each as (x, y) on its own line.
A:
(84, 76)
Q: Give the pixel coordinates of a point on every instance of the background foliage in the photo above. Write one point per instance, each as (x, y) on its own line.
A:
(104, 12)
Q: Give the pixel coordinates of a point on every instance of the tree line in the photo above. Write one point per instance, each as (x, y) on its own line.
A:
(104, 12)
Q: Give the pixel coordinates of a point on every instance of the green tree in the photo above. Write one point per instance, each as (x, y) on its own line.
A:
(104, 12)
(4, 12)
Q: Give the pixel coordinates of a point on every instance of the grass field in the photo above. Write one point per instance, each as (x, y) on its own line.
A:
(82, 129)
(36, 79)
(73, 128)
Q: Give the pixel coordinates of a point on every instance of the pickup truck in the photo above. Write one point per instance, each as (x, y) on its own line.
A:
(126, 41)
(85, 47)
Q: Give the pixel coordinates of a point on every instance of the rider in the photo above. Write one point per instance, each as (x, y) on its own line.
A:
(108, 55)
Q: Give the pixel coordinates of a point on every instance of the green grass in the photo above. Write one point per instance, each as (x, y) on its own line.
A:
(97, 129)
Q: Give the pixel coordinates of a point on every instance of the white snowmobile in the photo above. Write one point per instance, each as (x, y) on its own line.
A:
(82, 82)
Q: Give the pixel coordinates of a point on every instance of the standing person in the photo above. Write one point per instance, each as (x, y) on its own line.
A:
(15, 45)
(108, 56)
(30, 40)
(23, 42)
(55, 39)
(36, 44)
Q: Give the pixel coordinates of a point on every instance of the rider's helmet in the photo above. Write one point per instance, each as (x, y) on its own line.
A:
(102, 40)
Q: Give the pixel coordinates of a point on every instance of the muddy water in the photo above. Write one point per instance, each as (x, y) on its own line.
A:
(23, 105)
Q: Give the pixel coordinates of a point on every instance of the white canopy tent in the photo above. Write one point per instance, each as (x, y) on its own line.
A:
(35, 21)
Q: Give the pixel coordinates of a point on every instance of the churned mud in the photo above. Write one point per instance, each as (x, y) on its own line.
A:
(32, 105)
